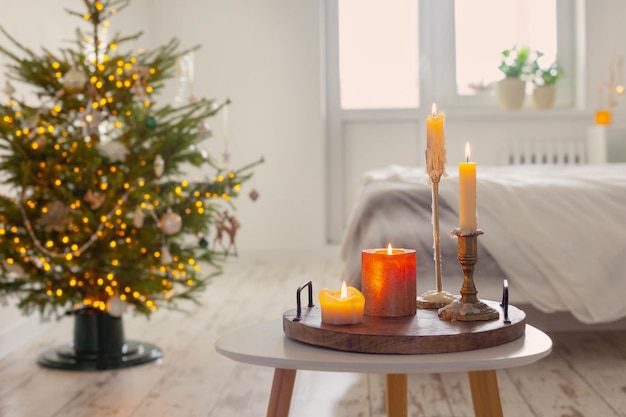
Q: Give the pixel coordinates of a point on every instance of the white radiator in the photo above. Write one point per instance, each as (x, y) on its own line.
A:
(546, 152)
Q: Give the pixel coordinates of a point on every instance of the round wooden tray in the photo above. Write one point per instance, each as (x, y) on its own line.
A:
(423, 333)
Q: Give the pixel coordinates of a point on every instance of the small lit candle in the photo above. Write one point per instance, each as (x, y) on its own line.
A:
(344, 306)
(467, 194)
(435, 144)
(389, 282)
(603, 117)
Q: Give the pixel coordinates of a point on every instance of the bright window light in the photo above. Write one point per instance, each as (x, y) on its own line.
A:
(378, 54)
(485, 28)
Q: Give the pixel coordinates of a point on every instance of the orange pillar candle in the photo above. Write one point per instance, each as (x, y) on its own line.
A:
(467, 194)
(389, 282)
(344, 306)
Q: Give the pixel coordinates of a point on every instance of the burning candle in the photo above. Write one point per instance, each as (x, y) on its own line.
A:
(435, 144)
(603, 117)
(389, 282)
(344, 306)
(467, 194)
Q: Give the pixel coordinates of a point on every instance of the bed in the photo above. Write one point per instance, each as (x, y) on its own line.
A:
(557, 233)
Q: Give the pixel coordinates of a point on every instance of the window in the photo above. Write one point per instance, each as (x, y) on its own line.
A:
(402, 53)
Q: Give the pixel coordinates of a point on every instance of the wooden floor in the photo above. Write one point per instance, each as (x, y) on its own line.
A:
(585, 376)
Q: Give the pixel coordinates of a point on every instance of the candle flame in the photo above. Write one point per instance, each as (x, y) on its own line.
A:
(434, 109)
(344, 291)
(389, 250)
(467, 152)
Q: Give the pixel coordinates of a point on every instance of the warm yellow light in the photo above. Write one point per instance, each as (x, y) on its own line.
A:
(68, 257)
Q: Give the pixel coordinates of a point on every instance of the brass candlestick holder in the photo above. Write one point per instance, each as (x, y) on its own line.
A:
(468, 307)
(435, 298)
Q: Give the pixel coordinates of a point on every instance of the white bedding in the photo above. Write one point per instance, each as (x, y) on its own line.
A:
(558, 233)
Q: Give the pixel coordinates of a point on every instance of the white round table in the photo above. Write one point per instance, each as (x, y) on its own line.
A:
(265, 344)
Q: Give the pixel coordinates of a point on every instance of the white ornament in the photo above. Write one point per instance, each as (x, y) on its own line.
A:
(159, 165)
(116, 307)
(74, 80)
(166, 256)
(171, 223)
(138, 218)
(113, 150)
(12, 267)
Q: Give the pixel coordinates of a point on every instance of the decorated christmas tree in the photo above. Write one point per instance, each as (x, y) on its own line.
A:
(96, 211)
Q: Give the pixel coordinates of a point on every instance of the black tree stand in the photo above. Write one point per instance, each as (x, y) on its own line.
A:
(99, 344)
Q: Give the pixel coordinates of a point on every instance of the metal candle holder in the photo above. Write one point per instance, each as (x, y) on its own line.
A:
(468, 307)
(437, 298)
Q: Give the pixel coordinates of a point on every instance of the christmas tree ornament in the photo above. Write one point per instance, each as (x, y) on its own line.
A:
(204, 128)
(94, 199)
(115, 151)
(138, 218)
(54, 217)
(227, 227)
(166, 256)
(12, 267)
(115, 306)
(203, 242)
(151, 122)
(185, 73)
(254, 195)
(171, 223)
(74, 80)
(9, 89)
(159, 165)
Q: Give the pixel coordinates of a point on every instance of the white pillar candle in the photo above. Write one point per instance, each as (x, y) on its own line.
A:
(467, 194)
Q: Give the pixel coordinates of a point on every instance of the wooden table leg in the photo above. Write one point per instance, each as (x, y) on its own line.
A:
(397, 398)
(485, 393)
(282, 390)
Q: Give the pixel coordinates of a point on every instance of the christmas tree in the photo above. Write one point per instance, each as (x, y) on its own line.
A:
(97, 212)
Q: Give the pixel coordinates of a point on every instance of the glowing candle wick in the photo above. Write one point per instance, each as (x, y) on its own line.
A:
(344, 291)
(467, 152)
(389, 250)
(434, 110)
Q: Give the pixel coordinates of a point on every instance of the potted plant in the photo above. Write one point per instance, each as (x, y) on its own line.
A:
(515, 67)
(544, 81)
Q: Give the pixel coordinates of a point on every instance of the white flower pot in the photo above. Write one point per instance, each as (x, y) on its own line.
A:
(543, 96)
(510, 93)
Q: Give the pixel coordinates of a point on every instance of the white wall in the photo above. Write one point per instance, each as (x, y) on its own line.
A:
(264, 56)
